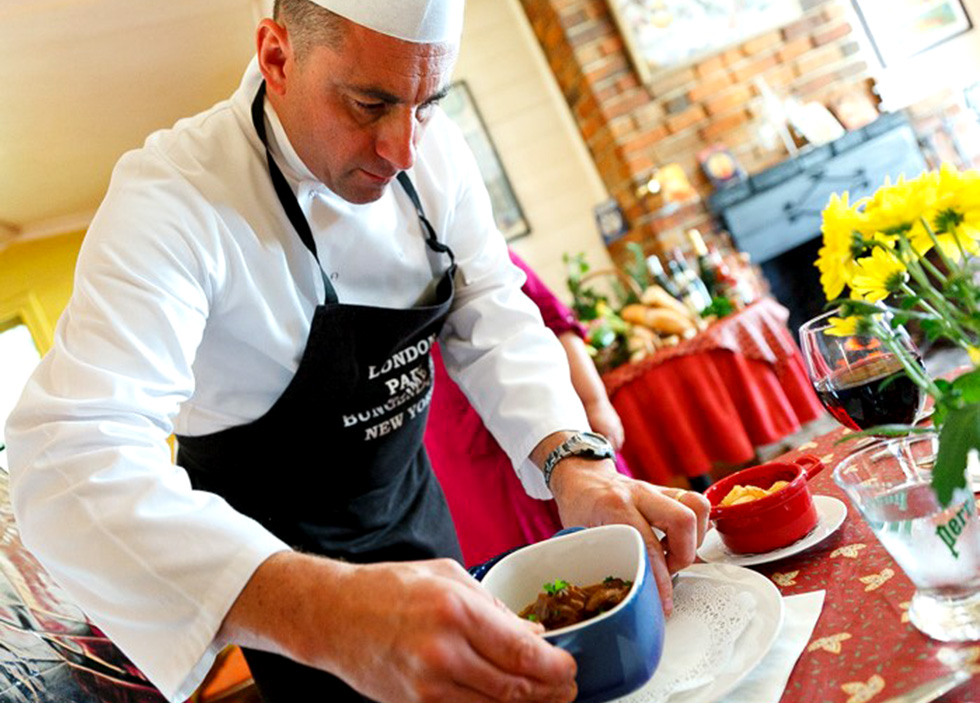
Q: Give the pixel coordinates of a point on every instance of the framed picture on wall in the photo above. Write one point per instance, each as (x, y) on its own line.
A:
(507, 212)
(665, 34)
(899, 29)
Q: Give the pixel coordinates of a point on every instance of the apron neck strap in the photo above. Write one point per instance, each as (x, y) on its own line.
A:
(286, 196)
(430, 232)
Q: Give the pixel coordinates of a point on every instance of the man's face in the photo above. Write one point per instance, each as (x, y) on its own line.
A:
(356, 112)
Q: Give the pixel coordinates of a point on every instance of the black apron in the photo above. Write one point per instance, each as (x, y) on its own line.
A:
(337, 466)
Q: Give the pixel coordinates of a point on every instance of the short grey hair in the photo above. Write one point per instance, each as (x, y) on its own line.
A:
(309, 25)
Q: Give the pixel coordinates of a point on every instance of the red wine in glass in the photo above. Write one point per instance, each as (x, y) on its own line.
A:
(860, 381)
(873, 392)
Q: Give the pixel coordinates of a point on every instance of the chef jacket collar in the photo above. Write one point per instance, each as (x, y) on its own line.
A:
(300, 177)
(285, 155)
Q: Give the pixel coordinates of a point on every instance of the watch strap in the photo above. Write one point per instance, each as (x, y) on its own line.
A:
(577, 445)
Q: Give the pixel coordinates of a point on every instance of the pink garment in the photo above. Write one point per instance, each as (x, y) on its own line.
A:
(490, 509)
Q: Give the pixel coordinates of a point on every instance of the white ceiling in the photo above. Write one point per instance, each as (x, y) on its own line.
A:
(82, 81)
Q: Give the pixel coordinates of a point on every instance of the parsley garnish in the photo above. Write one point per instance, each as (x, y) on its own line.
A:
(553, 588)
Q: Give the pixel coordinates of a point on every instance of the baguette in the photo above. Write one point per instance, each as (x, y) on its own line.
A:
(661, 320)
(657, 297)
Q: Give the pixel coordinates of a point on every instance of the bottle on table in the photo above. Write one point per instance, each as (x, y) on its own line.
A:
(747, 281)
(690, 288)
(660, 277)
(713, 270)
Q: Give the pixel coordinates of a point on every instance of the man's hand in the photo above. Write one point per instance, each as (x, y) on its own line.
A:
(399, 632)
(590, 493)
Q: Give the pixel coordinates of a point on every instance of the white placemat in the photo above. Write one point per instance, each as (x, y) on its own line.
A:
(767, 682)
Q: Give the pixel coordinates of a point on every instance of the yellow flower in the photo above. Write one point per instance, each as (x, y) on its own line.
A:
(878, 276)
(922, 243)
(900, 207)
(955, 219)
(836, 259)
(843, 326)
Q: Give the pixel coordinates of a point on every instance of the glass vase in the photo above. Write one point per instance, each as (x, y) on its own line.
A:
(937, 547)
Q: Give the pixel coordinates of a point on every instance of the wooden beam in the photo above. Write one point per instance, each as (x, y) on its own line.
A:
(8, 232)
(54, 226)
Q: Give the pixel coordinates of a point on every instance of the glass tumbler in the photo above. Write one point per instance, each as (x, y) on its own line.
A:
(937, 547)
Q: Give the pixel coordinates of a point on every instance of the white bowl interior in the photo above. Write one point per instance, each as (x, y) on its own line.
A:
(582, 558)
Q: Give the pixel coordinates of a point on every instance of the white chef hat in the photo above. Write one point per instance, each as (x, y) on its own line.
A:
(420, 21)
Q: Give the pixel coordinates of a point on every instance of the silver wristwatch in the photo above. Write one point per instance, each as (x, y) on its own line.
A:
(585, 444)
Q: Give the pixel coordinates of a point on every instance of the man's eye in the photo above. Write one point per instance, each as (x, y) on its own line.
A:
(369, 107)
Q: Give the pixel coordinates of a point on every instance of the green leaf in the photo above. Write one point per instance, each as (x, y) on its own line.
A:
(933, 329)
(637, 268)
(886, 431)
(888, 380)
(720, 306)
(968, 385)
(850, 308)
(959, 434)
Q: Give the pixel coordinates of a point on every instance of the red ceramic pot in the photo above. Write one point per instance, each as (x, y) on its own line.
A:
(772, 522)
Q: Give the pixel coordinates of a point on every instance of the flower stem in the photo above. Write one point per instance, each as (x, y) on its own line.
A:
(935, 241)
(933, 271)
(946, 312)
(911, 365)
(930, 311)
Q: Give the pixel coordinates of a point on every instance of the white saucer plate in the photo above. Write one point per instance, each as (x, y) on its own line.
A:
(830, 515)
(752, 645)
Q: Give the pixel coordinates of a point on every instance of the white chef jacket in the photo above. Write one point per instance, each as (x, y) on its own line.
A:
(192, 303)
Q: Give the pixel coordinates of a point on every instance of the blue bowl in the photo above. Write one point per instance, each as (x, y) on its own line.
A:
(616, 652)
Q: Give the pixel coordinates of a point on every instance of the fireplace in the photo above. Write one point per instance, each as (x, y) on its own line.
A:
(775, 215)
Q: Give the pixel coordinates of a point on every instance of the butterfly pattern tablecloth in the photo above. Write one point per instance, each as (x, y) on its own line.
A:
(863, 649)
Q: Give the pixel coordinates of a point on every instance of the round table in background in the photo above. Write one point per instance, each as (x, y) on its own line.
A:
(713, 399)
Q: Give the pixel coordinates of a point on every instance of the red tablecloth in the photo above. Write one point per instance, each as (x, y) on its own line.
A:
(863, 649)
(713, 399)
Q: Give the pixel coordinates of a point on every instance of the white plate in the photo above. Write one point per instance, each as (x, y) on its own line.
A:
(830, 515)
(758, 637)
(751, 646)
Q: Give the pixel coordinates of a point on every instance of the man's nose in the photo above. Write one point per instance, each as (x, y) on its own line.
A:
(396, 139)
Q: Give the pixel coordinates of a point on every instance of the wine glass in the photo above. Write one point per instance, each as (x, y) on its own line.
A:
(859, 381)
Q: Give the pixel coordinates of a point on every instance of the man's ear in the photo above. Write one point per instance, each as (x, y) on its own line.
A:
(274, 51)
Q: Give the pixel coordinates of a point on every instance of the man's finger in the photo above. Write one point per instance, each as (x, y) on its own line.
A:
(658, 561)
(507, 644)
(486, 681)
(701, 507)
(677, 520)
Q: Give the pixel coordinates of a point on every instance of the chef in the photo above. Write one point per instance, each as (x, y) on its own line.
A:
(266, 280)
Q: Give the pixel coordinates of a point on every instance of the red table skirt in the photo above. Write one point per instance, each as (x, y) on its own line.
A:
(691, 412)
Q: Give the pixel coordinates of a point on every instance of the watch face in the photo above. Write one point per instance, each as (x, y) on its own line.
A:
(597, 442)
(584, 444)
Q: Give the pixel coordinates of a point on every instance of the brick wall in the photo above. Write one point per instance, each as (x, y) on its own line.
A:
(631, 129)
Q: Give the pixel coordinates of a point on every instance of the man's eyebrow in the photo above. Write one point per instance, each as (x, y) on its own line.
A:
(442, 93)
(391, 99)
